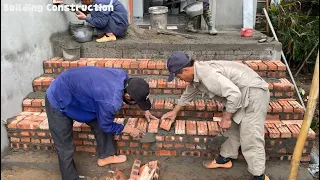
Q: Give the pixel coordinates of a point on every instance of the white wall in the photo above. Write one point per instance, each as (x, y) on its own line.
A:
(25, 43)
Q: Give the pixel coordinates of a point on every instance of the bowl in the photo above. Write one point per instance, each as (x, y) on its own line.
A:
(194, 9)
(74, 24)
(246, 32)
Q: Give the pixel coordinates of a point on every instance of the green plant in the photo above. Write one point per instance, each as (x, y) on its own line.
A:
(298, 31)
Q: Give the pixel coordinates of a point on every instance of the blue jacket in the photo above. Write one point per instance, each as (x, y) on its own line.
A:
(88, 93)
(109, 20)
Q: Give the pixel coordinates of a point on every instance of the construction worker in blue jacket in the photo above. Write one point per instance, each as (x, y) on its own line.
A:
(92, 95)
(110, 22)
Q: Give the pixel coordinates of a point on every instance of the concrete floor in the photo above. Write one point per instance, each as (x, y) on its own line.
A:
(44, 165)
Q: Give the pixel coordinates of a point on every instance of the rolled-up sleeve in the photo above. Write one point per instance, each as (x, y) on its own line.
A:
(188, 95)
(223, 87)
(106, 113)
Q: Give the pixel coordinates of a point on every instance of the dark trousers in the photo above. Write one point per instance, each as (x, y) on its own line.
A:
(61, 128)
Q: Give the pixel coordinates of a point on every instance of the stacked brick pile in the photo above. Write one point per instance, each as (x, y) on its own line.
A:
(190, 135)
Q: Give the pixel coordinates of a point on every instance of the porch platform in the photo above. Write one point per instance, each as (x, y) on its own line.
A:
(145, 43)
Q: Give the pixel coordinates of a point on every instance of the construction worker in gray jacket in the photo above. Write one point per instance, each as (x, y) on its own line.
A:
(245, 96)
(207, 17)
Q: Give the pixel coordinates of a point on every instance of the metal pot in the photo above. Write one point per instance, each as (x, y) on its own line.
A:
(83, 33)
(194, 9)
(74, 24)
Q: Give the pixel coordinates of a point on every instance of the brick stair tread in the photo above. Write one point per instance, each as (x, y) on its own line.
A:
(36, 102)
(37, 121)
(278, 87)
(53, 65)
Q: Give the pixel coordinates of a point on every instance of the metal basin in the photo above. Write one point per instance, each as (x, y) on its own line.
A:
(83, 33)
(74, 24)
(194, 9)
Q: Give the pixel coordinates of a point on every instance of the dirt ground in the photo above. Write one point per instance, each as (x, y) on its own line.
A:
(44, 165)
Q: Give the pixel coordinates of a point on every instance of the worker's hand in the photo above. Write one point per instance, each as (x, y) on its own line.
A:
(149, 116)
(225, 122)
(80, 15)
(169, 115)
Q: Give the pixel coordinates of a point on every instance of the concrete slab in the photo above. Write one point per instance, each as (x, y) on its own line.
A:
(144, 43)
(44, 165)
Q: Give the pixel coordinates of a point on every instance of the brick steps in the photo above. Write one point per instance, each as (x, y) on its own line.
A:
(271, 69)
(29, 130)
(279, 88)
(285, 109)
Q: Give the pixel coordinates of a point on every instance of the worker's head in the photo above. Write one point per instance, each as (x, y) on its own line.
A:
(180, 65)
(137, 92)
(86, 2)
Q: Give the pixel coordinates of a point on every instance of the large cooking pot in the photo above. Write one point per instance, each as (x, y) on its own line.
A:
(83, 33)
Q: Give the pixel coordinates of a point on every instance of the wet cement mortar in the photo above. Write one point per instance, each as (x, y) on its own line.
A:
(135, 34)
(44, 165)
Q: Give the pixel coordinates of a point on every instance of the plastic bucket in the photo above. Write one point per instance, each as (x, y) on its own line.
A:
(71, 52)
(158, 17)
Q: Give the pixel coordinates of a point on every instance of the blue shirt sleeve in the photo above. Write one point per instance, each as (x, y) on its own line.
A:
(105, 116)
(99, 17)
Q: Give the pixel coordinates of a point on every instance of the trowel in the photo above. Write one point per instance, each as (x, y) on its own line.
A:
(147, 137)
(218, 140)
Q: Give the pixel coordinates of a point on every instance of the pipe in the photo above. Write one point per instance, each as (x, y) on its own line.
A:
(311, 106)
(284, 58)
(130, 8)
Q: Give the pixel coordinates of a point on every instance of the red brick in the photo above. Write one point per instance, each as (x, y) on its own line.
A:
(286, 106)
(161, 84)
(37, 102)
(276, 107)
(180, 127)
(252, 65)
(77, 126)
(297, 108)
(169, 103)
(142, 124)
(14, 139)
(25, 139)
(271, 65)
(166, 124)
(166, 153)
(47, 80)
(143, 64)
(44, 125)
(153, 126)
(91, 63)
(118, 64)
(85, 127)
(281, 66)
(73, 64)
(202, 128)
(160, 65)
(45, 141)
(285, 132)
(191, 128)
(200, 105)
(159, 104)
(311, 133)
(159, 138)
(272, 117)
(101, 63)
(272, 130)
(152, 65)
(211, 105)
(82, 63)
(262, 66)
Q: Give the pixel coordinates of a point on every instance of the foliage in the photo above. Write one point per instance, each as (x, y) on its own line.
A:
(297, 30)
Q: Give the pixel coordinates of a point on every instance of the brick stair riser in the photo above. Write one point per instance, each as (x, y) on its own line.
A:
(30, 130)
(284, 109)
(271, 69)
(275, 93)
(164, 146)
